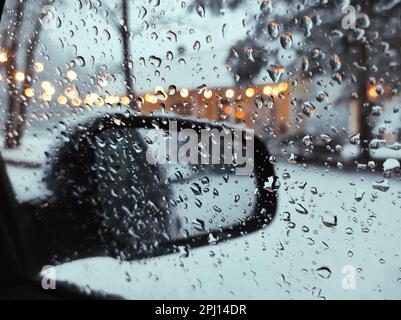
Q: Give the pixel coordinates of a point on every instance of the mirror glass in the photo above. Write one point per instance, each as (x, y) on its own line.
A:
(148, 188)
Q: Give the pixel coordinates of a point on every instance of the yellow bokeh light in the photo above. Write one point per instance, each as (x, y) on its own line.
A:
(108, 99)
(46, 85)
(50, 90)
(151, 98)
(283, 86)
(184, 92)
(372, 92)
(45, 96)
(208, 94)
(71, 75)
(112, 99)
(19, 76)
(62, 100)
(91, 98)
(125, 100)
(276, 91)
(230, 93)
(38, 66)
(70, 92)
(100, 101)
(76, 102)
(103, 82)
(3, 56)
(29, 92)
(240, 114)
(250, 92)
(267, 90)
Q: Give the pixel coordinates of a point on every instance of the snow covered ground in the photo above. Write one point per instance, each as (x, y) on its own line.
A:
(300, 255)
(328, 222)
(28, 181)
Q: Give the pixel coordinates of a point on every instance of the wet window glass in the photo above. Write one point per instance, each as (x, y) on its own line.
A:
(205, 148)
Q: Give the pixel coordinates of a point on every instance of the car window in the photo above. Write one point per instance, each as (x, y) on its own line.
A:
(317, 81)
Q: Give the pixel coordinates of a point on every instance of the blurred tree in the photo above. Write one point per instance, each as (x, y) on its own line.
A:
(360, 41)
(355, 42)
(13, 41)
(10, 40)
(127, 63)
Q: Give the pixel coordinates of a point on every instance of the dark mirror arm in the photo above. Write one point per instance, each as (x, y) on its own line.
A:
(12, 266)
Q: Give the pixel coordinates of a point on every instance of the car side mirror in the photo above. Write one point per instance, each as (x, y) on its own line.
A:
(136, 187)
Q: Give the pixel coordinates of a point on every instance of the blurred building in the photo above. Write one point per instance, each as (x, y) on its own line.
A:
(232, 104)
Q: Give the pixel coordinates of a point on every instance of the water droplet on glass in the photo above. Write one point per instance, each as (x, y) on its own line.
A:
(275, 72)
(286, 41)
(200, 10)
(308, 108)
(273, 29)
(324, 272)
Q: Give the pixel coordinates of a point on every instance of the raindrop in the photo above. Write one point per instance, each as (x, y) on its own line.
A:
(198, 224)
(266, 6)
(389, 166)
(355, 139)
(224, 30)
(382, 185)
(305, 63)
(359, 195)
(307, 140)
(155, 61)
(322, 96)
(169, 55)
(286, 41)
(324, 272)
(172, 36)
(200, 10)
(307, 25)
(325, 138)
(196, 46)
(335, 63)
(329, 220)
(308, 108)
(249, 54)
(80, 61)
(172, 90)
(196, 189)
(275, 72)
(273, 29)
(301, 209)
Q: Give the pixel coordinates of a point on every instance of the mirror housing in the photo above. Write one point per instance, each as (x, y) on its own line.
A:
(70, 225)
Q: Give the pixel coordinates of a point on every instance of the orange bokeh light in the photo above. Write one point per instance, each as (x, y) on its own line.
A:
(240, 114)
(372, 93)
(228, 110)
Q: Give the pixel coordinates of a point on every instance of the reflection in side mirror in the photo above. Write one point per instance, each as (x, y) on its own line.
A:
(163, 169)
(147, 189)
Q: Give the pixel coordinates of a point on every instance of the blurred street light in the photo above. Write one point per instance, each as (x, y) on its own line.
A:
(3, 56)
(230, 93)
(183, 92)
(19, 76)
